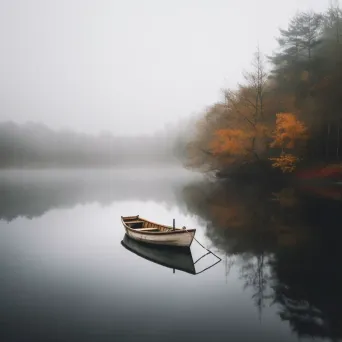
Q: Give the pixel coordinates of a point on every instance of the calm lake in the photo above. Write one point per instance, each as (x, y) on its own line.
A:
(65, 276)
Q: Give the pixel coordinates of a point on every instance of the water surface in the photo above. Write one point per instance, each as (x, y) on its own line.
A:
(66, 277)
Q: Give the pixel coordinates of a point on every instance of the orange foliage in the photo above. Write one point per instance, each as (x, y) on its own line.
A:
(230, 141)
(288, 131)
(236, 142)
(286, 162)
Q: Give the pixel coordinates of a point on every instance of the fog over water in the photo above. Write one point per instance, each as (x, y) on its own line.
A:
(128, 67)
(34, 145)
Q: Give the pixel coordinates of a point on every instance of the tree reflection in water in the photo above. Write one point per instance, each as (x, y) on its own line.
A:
(287, 245)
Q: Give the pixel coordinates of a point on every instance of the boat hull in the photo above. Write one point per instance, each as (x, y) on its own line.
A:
(146, 231)
(178, 239)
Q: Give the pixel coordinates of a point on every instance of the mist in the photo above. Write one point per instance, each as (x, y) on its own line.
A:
(34, 145)
(102, 83)
(129, 67)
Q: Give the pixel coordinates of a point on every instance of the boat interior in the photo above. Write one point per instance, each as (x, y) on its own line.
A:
(143, 225)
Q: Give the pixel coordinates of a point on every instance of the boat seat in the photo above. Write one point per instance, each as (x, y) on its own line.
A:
(146, 229)
(139, 221)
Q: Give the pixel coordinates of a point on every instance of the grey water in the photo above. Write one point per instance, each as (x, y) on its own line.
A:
(64, 275)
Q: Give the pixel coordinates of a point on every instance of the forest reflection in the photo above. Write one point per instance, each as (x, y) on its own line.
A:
(285, 240)
(286, 244)
(32, 193)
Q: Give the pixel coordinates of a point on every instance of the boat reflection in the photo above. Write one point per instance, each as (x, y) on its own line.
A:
(176, 258)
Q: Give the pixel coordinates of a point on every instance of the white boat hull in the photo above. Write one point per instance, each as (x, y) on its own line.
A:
(180, 239)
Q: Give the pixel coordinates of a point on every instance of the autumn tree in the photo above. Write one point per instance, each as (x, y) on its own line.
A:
(289, 134)
(242, 139)
(303, 86)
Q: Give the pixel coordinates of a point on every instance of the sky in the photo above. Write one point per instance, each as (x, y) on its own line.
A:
(129, 66)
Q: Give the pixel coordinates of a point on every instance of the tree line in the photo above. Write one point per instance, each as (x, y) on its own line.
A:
(282, 116)
(36, 145)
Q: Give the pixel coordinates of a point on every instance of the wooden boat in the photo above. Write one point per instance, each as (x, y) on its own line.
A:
(150, 232)
(175, 258)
